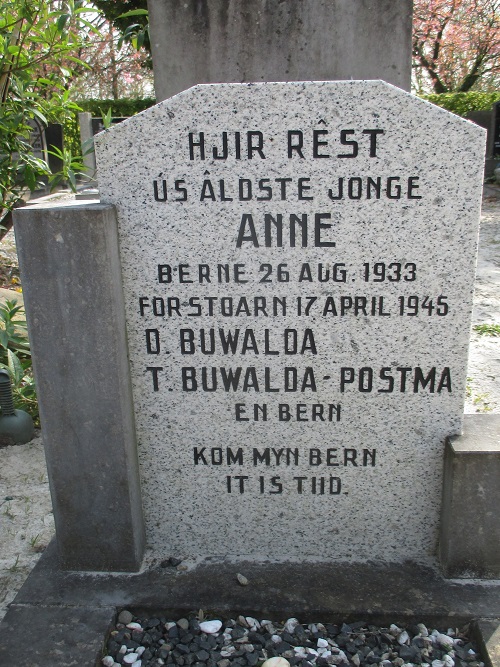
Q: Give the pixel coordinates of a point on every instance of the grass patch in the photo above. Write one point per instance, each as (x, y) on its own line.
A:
(487, 329)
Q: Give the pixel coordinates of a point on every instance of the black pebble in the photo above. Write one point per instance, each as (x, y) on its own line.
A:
(202, 655)
(174, 562)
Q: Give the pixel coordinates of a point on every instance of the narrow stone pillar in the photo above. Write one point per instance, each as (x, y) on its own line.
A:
(470, 519)
(86, 136)
(72, 288)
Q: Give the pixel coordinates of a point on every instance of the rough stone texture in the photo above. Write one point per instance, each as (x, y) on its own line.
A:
(379, 505)
(72, 290)
(470, 528)
(261, 40)
(489, 638)
(315, 591)
(53, 636)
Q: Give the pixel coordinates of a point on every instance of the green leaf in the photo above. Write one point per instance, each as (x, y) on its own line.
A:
(134, 12)
(40, 116)
(4, 339)
(72, 179)
(15, 367)
(30, 177)
(61, 22)
(92, 28)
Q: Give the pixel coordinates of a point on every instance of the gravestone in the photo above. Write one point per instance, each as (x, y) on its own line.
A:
(496, 130)
(197, 41)
(37, 140)
(298, 267)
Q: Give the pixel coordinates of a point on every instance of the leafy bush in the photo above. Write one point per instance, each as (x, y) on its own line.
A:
(15, 357)
(39, 40)
(463, 103)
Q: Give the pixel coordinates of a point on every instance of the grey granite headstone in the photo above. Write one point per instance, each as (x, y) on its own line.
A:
(298, 266)
(224, 41)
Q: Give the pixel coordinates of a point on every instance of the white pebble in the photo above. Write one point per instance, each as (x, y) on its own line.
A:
(311, 651)
(123, 649)
(108, 661)
(448, 661)
(134, 626)
(300, 651)
(356, 660)
(394, 630)
(140, 650)
(253, 623)
(130, 658)
(210, 627)
(322, 643)
(437, 663)
(276, 662)
(291, 624)
(403, 638)
(276, 639)
(137, 663)
(423, 630)
(269, 627)
(242, 580)
(170, 625)
(444, 640)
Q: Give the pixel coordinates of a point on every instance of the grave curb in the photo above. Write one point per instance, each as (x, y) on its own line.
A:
(66, 615)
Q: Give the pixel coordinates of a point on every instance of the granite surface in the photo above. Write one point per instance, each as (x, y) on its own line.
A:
(321, 268)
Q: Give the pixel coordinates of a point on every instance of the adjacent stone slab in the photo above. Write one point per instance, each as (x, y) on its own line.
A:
(44, 636)
(470, 526)
(489, 640)
(248, 40)
(298, 265)
(72, 290)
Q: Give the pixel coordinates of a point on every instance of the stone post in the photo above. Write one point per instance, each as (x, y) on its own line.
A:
(470, 520)
(86, 137)
(72, 288)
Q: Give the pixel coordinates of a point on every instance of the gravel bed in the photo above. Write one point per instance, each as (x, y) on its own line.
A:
(247, 642)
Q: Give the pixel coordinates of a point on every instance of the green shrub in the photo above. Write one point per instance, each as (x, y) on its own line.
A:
(15, 357)
(119, 108)
(463, 103)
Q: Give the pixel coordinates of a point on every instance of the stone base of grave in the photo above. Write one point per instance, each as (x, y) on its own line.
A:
(61, 618)
(470, 524)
